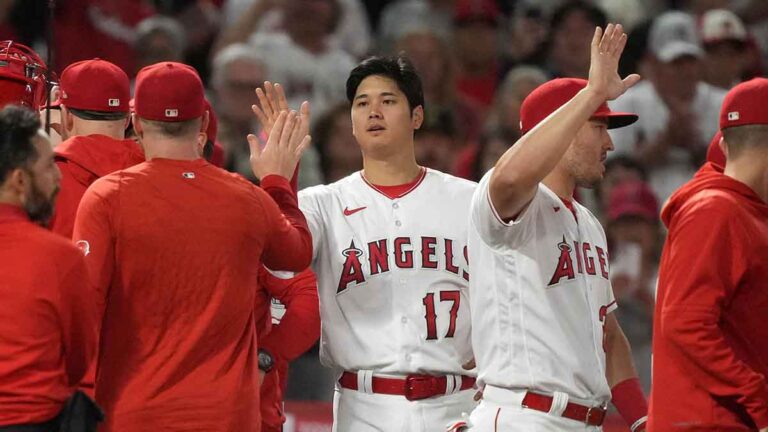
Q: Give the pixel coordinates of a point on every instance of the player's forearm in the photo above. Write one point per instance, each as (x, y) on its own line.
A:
(291, 249)
(618, 355)
(535, 155)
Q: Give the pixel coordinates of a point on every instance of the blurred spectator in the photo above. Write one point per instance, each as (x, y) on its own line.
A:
(725, 42)
(245, 17)
(526, 40)
(87, 29)
(236, 73)
(572, 27)
(618, 170)
(491, 147)
(339, 153)
(436, 66)
(517, 84)
(436, 144)
(635, 238)
(159, 38)
(476, 44)
(402, 16)
(678, 112)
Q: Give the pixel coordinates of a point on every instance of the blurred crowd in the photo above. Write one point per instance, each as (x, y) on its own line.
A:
(478, 60)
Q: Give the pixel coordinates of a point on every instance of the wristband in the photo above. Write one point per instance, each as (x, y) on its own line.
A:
(629, 400)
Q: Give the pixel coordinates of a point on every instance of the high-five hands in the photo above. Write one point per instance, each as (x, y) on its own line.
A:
(287, 141)
(606, 51)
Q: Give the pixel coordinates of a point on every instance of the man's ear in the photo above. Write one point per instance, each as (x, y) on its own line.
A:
(137, 126)
(16, 183)
(67, 120)
(417, 117)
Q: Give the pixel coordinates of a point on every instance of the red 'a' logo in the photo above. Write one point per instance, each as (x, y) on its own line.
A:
(352, 271)
(564, 264)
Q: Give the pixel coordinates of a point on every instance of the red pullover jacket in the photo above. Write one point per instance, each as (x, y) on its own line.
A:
(82, 160)
(710, 344)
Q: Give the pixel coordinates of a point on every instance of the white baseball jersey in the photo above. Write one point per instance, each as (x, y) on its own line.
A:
(392, 274)
(540, 294)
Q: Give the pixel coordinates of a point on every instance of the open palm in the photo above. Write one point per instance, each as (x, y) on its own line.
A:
(604, 62)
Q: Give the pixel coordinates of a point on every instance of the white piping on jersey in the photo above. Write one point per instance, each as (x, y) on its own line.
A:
(422, 175)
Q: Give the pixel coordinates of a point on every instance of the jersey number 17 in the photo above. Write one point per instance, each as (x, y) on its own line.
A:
(431, 314)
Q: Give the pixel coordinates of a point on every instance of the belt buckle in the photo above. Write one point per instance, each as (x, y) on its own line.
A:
(418, 387)
(600, 411)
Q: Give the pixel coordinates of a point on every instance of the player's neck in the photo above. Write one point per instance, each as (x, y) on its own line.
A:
(750, 173)
(390, 172)
(560, 183)
(114, 129)
(170, 149)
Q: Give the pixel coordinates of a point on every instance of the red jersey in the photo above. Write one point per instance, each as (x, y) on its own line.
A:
(47, 320)
(174, 248)
(710, 356)
(82, 160)
(298, 330)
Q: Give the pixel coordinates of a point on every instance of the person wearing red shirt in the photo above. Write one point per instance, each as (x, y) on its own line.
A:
(282, 343)
(174, 246)
(709, 347)
(94, 105)
(47, 313)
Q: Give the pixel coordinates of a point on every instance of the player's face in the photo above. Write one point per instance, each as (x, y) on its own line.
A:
(382, 122)
(44, 178)
(586, 156)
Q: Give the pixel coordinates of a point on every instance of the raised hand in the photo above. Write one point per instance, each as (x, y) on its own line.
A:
(287, 141)
(606, 51)
(272, 100)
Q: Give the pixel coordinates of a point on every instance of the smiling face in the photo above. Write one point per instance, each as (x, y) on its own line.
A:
(382, 121)
(585, 158)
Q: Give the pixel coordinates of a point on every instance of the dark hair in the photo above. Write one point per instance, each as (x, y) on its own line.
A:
(399, 69)
(18, 126)
(97, 115)
(503, 134)
(594, 14)
(627, 162)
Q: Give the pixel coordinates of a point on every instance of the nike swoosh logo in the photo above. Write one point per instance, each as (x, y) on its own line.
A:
(348, 212)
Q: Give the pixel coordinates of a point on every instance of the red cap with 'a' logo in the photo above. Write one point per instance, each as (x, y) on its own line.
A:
(745, 104)
(551, 95)
(169, 92)
(95, 85)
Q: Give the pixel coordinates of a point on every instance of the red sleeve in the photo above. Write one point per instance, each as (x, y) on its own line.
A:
(289, 246)
(700, 284)
(299, 328)
(93, 235)
(78, 319)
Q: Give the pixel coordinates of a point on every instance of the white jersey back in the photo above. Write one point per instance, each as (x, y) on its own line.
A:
(392, 274)
(540, 293)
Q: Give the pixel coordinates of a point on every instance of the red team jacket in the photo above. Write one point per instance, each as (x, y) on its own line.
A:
(82, 160)
(298, 330)
(710, 345)
(47, 320)
(174, 250)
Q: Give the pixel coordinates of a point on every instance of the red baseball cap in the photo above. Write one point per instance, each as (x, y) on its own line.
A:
(476, 10)
(551, 95)
(745, 104)
(632, 198)
(714, 152)
(169, 92)
(95, 85)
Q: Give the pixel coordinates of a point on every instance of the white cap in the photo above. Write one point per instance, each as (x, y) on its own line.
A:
(719, 25)
(674, 35)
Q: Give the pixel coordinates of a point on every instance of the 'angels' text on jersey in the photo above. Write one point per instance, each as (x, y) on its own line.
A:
(381, 255)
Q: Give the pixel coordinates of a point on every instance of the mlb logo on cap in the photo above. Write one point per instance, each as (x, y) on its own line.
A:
(733, 115)
(171, 112)
(114, 102)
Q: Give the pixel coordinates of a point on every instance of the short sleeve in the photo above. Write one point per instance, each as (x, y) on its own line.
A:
(492, 230)
(311, 207)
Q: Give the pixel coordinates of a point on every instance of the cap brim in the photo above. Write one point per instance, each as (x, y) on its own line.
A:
(675, 50)
(617, 119)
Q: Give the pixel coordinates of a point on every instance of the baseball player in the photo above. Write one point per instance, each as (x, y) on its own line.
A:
(47, 314)
(176, 281)
(548, 348)
(709, 341)
(389, 251)
(94, 108)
